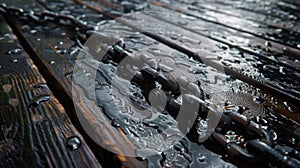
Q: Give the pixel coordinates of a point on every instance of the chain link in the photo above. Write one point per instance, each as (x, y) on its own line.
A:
(261, 137)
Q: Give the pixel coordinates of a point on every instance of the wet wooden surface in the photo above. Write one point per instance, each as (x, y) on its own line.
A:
(245, 54)
(35, 128)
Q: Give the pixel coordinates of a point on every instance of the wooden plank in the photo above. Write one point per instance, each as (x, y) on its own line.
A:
(48, 48)
(267, 33)
(207, 46)
(138, 47)
(156, 51)
(135, 45)
(244, 43)
(271, 8)
(154, 161)
(35, 128)
(287, 20)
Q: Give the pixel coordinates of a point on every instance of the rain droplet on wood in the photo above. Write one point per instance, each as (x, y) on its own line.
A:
(7, 88)
(201, 157)
(73, 143)
(36, 101)
(268, 44)
(15, 51)
(14, 102)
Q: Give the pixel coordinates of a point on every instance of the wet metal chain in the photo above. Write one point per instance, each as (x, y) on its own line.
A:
(258, 146)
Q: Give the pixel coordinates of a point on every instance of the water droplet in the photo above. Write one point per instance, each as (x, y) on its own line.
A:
(196, 70)
(232, 137)
(188, 17)
(273, 134)
(25, 27)
(14, 61)
(258, 100)
(165, 68)
(37, 118)
(7, 88)
(285, 48)
(201, 157)
(73, 143)
(174, 36)
(268, 44)
(61, 51)
(41, 85)
(202, 128)
(182, 23)
(14, 51)
(36, 101)
(52, 62)
(292, 141)
(32, 31)
(298, 45)
(281, 70)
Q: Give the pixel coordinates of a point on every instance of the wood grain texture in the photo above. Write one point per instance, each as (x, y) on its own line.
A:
(49, 48)
(187, 40)
(34, 131)
(202, 41)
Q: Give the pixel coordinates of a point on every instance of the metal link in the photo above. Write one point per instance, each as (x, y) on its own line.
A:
(234, 120)
(3, 8)
(238, 121)
(260, 149)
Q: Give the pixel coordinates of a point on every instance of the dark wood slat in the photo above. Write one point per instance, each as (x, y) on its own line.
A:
(235, 39)
(268, 33)
(287, 21)
(195, 51)
(266, 53)
(45, 56)
(60, 66)
(271, 8)
(262, 19)
(49, 39)
(47, 48)
(253, 45)
(33, 136)
(56, 65)
(288, 114)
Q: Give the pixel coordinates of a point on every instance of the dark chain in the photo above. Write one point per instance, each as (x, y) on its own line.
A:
(261, 143)
(254, 150)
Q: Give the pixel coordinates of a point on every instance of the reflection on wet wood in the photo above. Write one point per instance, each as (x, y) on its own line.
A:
(35, 129)
(50, 53)
(195, 42)
(225, 55)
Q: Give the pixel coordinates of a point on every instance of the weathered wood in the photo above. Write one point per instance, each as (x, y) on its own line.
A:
(39, 47)
(203, 47)
(280, 10)
(35, 128)
(267, 33)
(294, 115)
(36, 46)
(57, 65)
(288, 22)
(54, 51)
